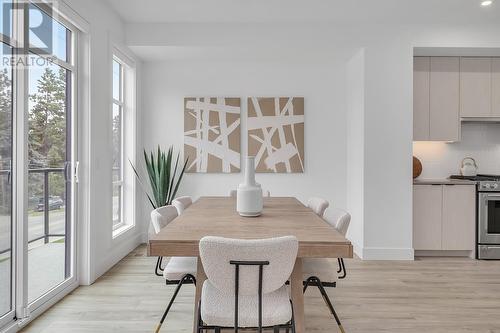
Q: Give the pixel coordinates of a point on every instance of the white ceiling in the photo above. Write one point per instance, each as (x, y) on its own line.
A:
(337, 11)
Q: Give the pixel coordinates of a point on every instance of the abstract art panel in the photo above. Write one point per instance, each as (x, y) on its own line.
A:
(212, 134)
(276, 133)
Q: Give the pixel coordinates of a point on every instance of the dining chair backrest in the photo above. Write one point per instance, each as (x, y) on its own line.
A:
(318, 205)
(182, 203)
(216, 254)
(339, 219)
(162, 216)
(234, 193)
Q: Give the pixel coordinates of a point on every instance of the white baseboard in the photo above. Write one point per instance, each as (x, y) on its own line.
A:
(438, 253)
(377, 253)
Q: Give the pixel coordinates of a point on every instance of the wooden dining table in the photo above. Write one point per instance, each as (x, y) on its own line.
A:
(282, 216)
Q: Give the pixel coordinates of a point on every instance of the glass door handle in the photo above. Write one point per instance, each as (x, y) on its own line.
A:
(77, 171)
(67, 171)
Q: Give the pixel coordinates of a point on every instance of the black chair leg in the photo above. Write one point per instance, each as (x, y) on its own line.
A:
(199, 329)
(330, 305)
(158, 268)
(181, 282)
(308, 281)
(342, 268)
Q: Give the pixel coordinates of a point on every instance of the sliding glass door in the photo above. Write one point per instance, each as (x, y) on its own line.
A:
(37, 157)
(50, 157)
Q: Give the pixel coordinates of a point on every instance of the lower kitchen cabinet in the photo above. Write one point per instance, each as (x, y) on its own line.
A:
(459, 217)
(427, 217)
(444, 217)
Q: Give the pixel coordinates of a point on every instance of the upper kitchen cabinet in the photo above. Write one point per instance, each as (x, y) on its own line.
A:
(444, 99)
(436, 91)
(421, 99)
(495, 86)
(475, 87)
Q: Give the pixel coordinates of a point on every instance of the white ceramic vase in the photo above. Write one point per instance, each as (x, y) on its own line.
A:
(249, 197)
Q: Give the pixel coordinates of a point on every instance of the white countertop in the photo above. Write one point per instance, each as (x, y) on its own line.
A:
(442, 181)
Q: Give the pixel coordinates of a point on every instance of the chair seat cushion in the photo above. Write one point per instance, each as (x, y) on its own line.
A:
(217, 308)
(323, 269)
(177, 267)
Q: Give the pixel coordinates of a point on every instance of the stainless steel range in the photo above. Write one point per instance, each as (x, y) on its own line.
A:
(488, 215)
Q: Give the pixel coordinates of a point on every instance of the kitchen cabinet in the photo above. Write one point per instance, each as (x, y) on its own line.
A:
(475, 87)
(427, 211)
(495, 86)
(421, 99)
(444, 217)
(444, 104)
(459, 212)
(436, 89)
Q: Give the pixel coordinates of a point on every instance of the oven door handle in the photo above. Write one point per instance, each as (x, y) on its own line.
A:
(492, 195)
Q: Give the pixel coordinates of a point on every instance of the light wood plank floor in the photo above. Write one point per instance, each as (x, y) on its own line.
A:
(432, 295)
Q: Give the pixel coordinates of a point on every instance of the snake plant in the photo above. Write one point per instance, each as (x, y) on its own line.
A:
(162, 177)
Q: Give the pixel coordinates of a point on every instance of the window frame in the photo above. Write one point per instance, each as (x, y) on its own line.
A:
(128, 96)
(9, 316)
(120, 103)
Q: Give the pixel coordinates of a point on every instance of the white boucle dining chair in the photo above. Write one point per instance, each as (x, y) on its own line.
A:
(340, 220)
(182, 203)
(179, 270)
(318, 205)
(246, 283)
(321, 272)
(161, 217)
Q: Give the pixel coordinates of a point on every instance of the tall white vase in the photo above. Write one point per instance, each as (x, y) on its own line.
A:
(249, 197)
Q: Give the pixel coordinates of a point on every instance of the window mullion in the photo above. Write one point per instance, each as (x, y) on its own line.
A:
(50, 58)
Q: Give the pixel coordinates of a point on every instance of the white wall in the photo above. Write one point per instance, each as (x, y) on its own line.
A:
(480, 141)
(106, 29)
(321, 84)
(388, 135)
(355, 83)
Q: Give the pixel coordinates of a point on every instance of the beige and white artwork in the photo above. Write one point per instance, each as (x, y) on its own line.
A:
(276, 133)
(212, 134)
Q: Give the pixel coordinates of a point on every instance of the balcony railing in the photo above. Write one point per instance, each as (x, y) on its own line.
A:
(45, 200)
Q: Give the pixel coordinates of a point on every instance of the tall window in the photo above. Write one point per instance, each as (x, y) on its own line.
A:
(117, 132)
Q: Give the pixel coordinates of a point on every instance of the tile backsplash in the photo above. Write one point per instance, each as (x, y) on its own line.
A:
(479, 140)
